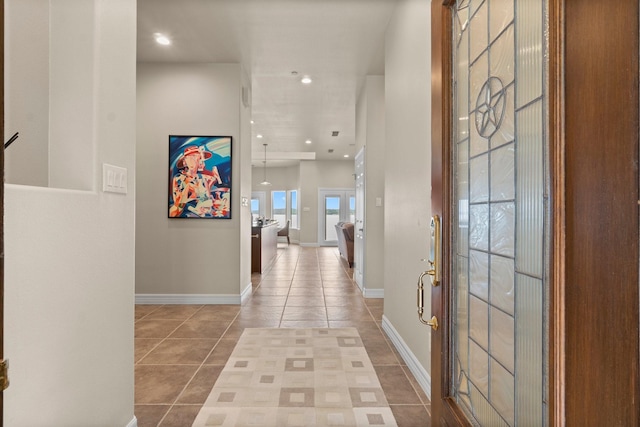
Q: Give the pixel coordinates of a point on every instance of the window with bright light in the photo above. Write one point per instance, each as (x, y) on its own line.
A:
(258, 204)
(292, 210)
(255, 206)
(279, 206)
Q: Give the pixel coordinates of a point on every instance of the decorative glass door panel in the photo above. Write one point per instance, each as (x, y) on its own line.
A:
(331, 217)
(500, 243)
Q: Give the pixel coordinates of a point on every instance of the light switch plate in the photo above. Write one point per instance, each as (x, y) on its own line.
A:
(114, 179)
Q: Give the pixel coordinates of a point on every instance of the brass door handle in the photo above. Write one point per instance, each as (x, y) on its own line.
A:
(420, 297)
(433, 323)
(434, 272)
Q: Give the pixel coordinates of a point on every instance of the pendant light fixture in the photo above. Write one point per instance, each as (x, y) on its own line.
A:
(264, 166)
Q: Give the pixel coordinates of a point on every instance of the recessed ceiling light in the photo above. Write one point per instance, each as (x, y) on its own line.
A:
(258, 136)
(162, 39)
(308, 141)
(306, 80)
(252, 122)
(345, 156)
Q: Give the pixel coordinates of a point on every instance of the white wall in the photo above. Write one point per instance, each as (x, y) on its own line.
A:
(407, 171)
(314, 175)
(189, 256)
(69, 255)
(370, 127)
(27, 91)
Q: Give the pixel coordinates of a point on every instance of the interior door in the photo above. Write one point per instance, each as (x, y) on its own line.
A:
(489, 183)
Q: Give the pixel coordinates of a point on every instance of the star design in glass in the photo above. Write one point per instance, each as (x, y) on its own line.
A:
(490, 107)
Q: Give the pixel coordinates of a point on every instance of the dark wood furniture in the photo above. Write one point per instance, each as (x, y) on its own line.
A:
(264, 246)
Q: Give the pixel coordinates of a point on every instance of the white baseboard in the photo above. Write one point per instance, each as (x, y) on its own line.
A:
(188, 299)
(419, 372)
(246, 293)
(133, 422)
(373, 293)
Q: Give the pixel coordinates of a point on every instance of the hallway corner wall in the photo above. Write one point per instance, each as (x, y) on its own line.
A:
(177, 257)
(407, 190)
(69, 254)
(370, 119)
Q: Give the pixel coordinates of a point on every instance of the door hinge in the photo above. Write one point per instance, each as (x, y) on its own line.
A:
(4, 374)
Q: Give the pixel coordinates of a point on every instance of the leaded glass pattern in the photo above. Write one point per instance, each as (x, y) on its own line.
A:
(499, 172)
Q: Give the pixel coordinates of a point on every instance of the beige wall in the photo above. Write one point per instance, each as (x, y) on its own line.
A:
(245, 187)
(27, 72)
(308, 177)
(69, 254)
(182, 257)
(370, 133)
(313, 176)
(407, 171)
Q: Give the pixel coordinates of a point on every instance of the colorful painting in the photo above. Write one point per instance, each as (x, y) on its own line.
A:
(199, 176)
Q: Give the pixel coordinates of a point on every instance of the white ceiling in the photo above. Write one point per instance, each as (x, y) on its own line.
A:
(335, 42)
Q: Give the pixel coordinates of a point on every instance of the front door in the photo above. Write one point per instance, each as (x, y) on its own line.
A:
(535, 177)
(490, 194)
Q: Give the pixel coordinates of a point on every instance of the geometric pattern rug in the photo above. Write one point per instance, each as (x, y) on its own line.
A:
(284, 377)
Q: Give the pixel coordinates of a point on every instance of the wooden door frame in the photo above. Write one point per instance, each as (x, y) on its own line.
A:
(441, 204)
(441, 35)
(569, 320)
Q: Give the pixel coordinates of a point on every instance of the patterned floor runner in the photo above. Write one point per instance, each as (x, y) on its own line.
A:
(297, 377)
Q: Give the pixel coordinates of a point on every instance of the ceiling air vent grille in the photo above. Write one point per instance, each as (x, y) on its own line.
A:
(335, 133)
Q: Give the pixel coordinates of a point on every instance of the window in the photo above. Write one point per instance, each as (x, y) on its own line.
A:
(292, 210)
(284, 206)
(258, 204)
(279, 206)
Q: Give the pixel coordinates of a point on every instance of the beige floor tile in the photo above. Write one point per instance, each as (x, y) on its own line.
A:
(411, 415)
(143, 346)
(397, 387)
(150, 415)
(174, 312)
(155, 328)
(201, 329)
(180, 351)
(298, 292)
(304, 313)
(222, 351)
(180, 416)
(305, 301)
(143, 310)
(161, 384)
(200, 386)
(217, 313)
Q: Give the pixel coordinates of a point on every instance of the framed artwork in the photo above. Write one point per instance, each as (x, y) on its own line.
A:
(200, 176)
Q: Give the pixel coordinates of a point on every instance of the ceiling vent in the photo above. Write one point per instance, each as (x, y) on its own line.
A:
(335, 133)
(330, 150)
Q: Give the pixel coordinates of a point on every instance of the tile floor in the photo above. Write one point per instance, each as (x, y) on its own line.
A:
(181, 349)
